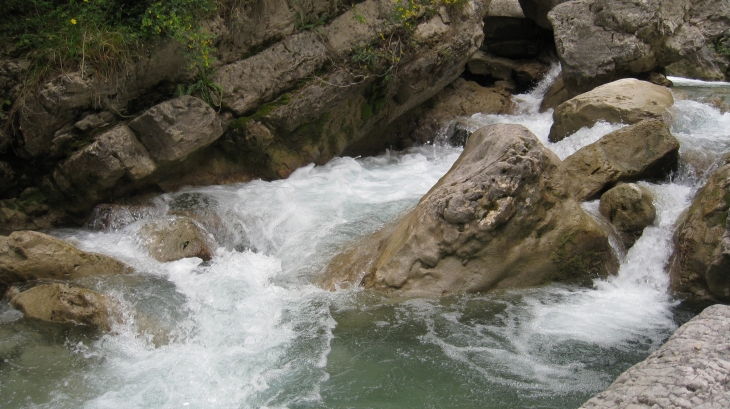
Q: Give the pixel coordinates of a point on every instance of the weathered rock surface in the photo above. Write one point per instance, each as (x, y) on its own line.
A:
(537, 11)
(333, 115)
(460, 99)
(505, 8)
(646, 150)
(625, 101)
(29, 255)
(62, 304)
(599, 41)
(630, 208)
(91, 173)
(176, 128)
(701, 257)
(501, 217)
(690, 370)
(174, 238)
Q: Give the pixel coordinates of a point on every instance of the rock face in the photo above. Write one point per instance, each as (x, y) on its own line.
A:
(62, 304)
(175, 238)
(646, 150)
(505, 8)
(599, 41)
(29, 255)
(689, 371)
(537, 11)
(176, 128)
(90, 174)
(625, 101)
(702, 242)
(500, 218)
(291, 96)
(324, 119)
(630, 208)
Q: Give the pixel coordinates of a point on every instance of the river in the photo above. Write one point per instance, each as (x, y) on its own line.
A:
(248, 329)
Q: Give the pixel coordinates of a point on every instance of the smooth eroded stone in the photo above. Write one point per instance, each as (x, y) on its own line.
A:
(502, 217)
(174, 238)
(176, 128)
(630, 208)
(626, 101)
(646, 150)
(62, 304)
(30, 255)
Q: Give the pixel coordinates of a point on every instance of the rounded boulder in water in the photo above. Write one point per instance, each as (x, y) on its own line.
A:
(630, 208)
(174, 238)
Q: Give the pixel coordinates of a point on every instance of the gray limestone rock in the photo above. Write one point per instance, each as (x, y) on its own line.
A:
(176, 128)
(691, 370)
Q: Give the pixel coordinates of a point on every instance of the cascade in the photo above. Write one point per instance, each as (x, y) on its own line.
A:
(248, 329)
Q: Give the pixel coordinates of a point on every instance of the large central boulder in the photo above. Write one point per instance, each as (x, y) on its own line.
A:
(502, 217)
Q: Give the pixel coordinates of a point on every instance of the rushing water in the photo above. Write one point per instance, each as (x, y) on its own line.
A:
(249, 330)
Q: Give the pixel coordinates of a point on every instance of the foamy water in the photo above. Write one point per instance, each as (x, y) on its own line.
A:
(249, 330)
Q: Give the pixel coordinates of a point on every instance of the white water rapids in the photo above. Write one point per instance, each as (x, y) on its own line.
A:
(249, 330)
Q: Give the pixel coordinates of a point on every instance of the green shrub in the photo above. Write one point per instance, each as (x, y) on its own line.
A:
(100, 36)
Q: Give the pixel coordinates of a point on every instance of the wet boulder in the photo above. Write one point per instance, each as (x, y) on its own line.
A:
(60, 303)
(642, 151)
(626, 101)
(174, 238)
(502, 217)
(29, 255)
(701, 260)
(630, 208)
(176, 128)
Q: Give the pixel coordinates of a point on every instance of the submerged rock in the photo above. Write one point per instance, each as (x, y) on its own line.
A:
(29, 255)
(646, 150)
(174, 238)
(689, 371)
(626, 101)
(630, 208)
(62, 304)
(701, 260)
(502, 217)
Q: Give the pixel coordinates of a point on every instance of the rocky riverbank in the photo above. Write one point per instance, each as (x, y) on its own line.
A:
(690, 370)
